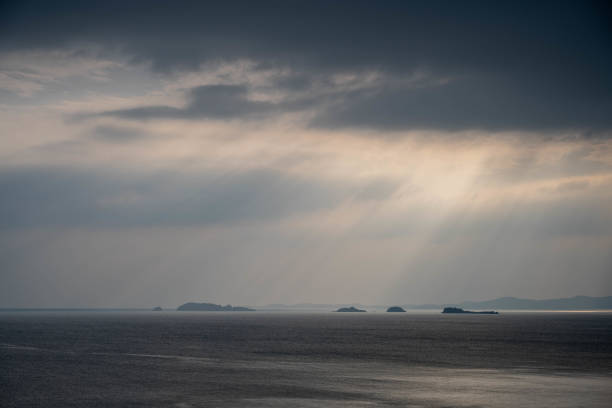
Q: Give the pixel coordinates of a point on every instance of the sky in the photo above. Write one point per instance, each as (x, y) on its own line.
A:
(153, 152)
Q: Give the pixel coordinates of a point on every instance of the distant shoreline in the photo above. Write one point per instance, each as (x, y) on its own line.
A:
(507, 304)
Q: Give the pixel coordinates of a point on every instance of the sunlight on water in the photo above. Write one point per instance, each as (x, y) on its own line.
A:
(305, 360)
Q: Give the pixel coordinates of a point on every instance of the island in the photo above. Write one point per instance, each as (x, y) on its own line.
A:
(395, 309)
(459, 310)
(157, 309)
(351, 309)
(211, 307)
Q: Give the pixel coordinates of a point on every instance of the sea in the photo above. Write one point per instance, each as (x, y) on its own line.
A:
(276, 359)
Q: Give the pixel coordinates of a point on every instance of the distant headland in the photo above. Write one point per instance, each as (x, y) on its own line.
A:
(459, 310)
(351, 309)
(512, 303)
(395, 309)
(506, 303)
(211, 307)
(573, 303)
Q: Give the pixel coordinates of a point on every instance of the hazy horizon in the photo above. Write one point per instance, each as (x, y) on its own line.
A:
(261, 152)
(296, 305)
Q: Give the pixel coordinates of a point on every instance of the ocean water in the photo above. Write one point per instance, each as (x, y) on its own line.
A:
(256, 359)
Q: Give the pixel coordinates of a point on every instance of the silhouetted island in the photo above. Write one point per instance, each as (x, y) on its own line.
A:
(459, 310)
(157, 309)
(349, 309)
(395, 309)
(211, 307)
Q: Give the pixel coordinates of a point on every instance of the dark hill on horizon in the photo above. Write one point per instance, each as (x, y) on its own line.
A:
(573, 303)
(513, 303)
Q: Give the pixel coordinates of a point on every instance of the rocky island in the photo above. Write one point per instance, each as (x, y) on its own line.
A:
(459, 310)
(349, 310)
(211, 307)
(395, 309)
(157, 309)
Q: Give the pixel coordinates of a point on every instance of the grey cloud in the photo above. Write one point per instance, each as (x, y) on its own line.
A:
(521, 251)
(210, 102)
(65, 197)
(117, 134)
(575, 163)
(572, 186)
(376, 190)
(394, 34)
(468, 102)
(295, 82)
(517, 65)
(504, 265)
(575, 216)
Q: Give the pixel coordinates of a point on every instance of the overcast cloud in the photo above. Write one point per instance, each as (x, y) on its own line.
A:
(264, 152)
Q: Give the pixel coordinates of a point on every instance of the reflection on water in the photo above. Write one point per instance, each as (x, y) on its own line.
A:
(304, 360)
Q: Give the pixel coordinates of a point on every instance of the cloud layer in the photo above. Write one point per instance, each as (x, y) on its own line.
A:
(497, 66)
(261, 152)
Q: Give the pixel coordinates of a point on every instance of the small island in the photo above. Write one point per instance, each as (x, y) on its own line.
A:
(459, 310)
(211, 307)
(395, 309)
(351, 309)
(157, 309)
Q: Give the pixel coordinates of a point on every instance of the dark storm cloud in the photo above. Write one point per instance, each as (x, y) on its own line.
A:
(471, 102)
(512, 65)
(210, 101)
(38, 197)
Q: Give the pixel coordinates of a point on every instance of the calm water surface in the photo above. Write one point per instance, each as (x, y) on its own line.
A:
(229, 359)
